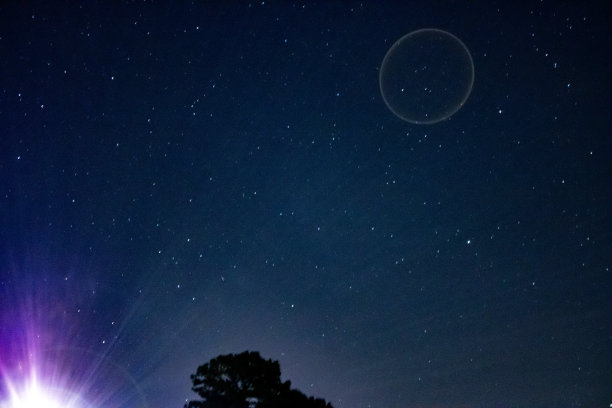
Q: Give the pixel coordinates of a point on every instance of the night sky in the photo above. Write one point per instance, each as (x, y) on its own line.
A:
(179, 181)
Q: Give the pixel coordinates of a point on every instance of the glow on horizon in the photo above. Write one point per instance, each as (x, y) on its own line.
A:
(52, 357)
(30, 393)
(40, 368)
(71, 380)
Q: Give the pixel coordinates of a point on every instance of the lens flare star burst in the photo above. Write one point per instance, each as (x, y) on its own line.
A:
(34, 392)
(48, 359)
(37, 396)
(64, 377)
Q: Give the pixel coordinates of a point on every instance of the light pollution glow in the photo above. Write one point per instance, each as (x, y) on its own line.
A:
(43, 363)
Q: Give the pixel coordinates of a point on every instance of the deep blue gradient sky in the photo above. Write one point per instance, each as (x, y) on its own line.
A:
(182, 181)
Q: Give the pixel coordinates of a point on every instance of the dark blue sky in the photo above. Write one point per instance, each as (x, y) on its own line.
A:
(183, 181)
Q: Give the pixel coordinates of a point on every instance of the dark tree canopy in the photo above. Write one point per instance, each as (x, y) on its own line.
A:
(246, 380)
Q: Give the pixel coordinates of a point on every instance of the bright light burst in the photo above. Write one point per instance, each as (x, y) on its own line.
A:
(41, 367)
(32, 394)
(35, 398)
(67, 383)
(52, 356)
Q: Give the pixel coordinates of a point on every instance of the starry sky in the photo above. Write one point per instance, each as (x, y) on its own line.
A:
(183, 180)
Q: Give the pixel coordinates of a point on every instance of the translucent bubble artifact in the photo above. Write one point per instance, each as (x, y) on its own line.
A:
(426, 76)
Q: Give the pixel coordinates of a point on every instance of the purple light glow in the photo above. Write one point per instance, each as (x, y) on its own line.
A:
(44, 361)
(32, 374)
(31, 393)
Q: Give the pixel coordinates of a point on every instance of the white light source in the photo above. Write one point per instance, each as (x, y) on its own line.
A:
(32, 394)
(34, 398)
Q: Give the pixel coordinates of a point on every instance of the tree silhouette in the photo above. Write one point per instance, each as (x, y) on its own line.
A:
(246, 380)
